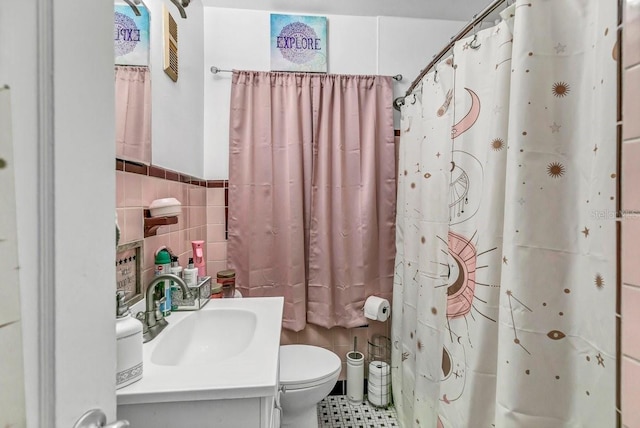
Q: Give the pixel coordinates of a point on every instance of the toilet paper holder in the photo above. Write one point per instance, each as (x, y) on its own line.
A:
(379, 379)
(376, 308)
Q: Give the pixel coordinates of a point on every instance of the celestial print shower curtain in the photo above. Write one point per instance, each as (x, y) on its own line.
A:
(513, 323)
(557, 302)
(422, 221)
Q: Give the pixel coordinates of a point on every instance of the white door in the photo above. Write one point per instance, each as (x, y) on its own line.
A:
(57, 56)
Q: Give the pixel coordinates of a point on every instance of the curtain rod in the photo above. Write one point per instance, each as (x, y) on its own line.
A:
(216, 70)
(477, 18)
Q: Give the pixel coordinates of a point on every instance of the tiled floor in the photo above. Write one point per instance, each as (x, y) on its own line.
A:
(336, 411)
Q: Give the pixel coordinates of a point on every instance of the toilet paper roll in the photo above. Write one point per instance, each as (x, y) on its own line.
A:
(377, 308)
(378, 369)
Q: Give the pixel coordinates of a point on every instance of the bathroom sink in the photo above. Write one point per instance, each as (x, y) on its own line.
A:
(228, 349)
(206, 337)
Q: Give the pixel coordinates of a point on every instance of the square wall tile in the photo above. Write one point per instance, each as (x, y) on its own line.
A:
(120, 189)
(217, 251)
(631, 174)
(148, 191)
(342, 351)
(132, 190)
(215, 196)
(631, 321)
(183, 237)
(630, 393)
(184, 191)
(631, 251)
(344, 337)
(197, 234)
(216, 215)
(631, 35)
(175, 191)
(162, 188)
(174, 243)
(317, 336)
(133, 222)
(197, 196)
(216, 233)
(197, 216)
(631, 104)
(151, 244)
(214, 267)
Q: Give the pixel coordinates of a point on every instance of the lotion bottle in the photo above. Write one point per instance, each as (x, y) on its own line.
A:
(191, 274)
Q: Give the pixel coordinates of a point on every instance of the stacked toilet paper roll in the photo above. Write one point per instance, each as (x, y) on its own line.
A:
(377, 308)
(378, 383)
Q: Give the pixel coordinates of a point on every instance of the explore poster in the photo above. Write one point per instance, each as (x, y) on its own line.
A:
(298, 43)
(131, 36)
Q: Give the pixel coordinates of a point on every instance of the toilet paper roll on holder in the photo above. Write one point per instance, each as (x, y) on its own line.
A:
(379, 308)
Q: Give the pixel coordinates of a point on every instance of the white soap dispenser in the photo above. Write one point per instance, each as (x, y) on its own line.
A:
(128, 344)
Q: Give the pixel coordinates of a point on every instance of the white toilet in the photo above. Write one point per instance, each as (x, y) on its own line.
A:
(307, 375)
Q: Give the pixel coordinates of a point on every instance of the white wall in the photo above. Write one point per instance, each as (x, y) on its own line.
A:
(176, 112)
(407, 45)
(239, 39)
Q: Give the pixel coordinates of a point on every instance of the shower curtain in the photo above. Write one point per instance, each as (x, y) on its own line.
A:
(312, 192)
(504, 286)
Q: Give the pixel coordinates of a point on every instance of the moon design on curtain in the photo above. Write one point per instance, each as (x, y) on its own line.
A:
(464, 201)
(462, 276)
(467, 122)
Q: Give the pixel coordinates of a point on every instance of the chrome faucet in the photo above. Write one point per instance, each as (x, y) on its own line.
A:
(153, 322)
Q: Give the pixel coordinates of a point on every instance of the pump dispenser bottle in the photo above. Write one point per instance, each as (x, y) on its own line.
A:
(191, 274)
(198, 257)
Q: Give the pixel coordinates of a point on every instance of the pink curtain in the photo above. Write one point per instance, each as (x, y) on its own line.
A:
(133, 113)
(312, 192)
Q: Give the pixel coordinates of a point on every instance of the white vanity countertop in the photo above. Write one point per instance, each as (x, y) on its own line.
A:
(251, 373)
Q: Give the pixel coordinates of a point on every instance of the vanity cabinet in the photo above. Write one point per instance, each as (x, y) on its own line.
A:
(233, 413)
(215, 367)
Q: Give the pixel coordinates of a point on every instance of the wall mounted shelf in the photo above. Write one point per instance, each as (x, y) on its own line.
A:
(151, 224)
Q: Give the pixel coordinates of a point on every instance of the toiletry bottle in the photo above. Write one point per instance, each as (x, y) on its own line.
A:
(128, 344)
(227, 279)
(198, 257)
(191, 274)
(176, 269)
(163, 265)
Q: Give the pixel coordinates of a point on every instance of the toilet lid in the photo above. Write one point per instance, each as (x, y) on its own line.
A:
(304, 366)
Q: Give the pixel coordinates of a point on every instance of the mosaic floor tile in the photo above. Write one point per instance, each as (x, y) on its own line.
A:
(336, 411)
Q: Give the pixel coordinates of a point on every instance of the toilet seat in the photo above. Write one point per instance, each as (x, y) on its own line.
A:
(305, 366)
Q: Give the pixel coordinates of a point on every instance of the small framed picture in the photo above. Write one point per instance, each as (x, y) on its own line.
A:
(298, 43)
(129, 271)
